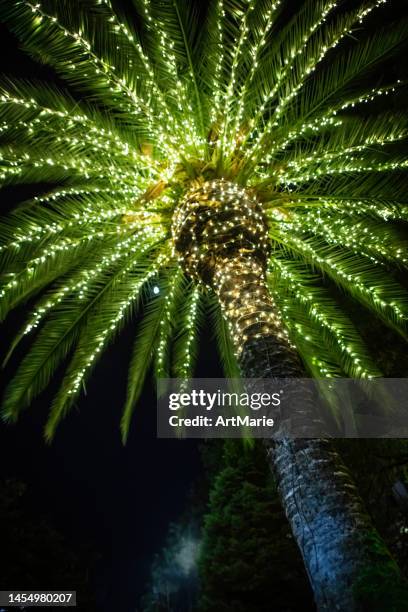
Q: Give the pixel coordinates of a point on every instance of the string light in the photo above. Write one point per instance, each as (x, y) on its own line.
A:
(221, 237)
(254, 53)
(166, 324)
(219, 62)
(370, 242)
(344, 272)
(184, 367)
(83, 280)
(112, 325)
(237, 49)
(205, 170)
(333, 39)
(283, 71)
(338, 331)
(71, 118)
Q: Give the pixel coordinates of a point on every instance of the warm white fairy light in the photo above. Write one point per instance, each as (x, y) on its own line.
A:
(166, 323)
(205, 249)
(105, 71)
(331, 43)
(247, 303)
(320, 155)
(334, 38)
(216, 82)
(96, 143)
(183, 164)
(130, 245)
(111, 327)
(99, 66)
(370, 294)
(242, 223)
(71, 118)
(338, 331)
(349, 165)
(283, 72)
(239, 42)
(329, 119)
(86, 167)
(30, 231)
(391, 210)
(337, 230)
(190, 329)
(167, 47)
(254, 53)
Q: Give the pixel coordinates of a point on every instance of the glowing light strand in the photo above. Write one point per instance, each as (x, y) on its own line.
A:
(337, 330)
(112, 325)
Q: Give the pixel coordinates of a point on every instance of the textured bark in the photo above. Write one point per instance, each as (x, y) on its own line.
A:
(348, 565)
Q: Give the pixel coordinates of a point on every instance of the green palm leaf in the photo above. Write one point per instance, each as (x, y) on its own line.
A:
(156, 99)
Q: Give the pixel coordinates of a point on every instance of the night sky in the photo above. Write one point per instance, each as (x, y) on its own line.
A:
(118, 499)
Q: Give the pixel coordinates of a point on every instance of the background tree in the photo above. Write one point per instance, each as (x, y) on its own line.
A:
(248, 557)
(245, 532)
(206, 158)
(235, 522)
(174, 578)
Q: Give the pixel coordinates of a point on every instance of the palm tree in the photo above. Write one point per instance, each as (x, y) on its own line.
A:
(215, 159)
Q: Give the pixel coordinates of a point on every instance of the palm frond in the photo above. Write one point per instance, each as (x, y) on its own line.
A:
(143, 352)
(355, 274)
(156, 98)
(300, 291)
(225, 345)
(189, 322)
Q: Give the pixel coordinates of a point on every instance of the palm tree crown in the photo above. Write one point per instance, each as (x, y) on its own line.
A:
(164, 98)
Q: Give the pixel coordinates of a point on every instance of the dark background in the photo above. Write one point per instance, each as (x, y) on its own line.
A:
(111, 504)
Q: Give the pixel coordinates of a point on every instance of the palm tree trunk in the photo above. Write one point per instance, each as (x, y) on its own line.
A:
(348, 565)
(221, 236)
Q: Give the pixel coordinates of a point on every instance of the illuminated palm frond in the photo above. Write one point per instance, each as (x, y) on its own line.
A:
(165, 95)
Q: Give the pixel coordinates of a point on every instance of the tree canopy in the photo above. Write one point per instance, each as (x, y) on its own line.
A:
(158, 98)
